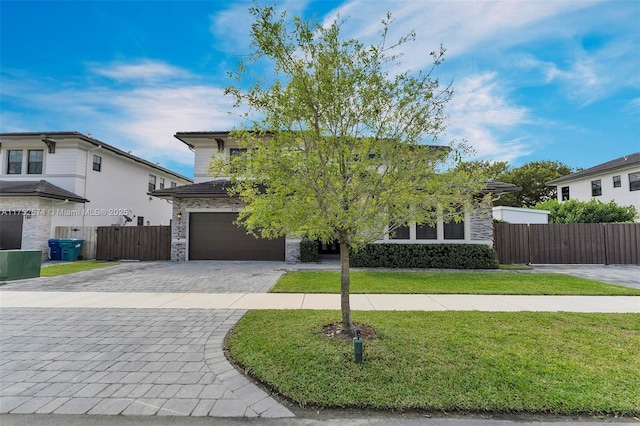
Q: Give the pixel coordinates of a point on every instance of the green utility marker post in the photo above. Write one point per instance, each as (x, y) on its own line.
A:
(357, 347)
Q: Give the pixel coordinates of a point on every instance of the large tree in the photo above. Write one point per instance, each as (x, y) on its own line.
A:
(338, 151)
(532, 177)
(492, 170)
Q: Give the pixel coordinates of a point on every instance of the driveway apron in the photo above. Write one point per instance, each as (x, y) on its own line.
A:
(625, 275)
(165, 362)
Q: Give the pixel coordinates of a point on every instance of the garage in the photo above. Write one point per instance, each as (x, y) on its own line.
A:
(10, 230)
(214, 236)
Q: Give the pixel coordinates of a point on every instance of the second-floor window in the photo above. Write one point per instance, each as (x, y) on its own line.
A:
(173, 184)
(236, 152)
(634, 181)
(596, 188)
(14, 165)
(565, 193)
(35, 159)
(161, 183)
(97, 163)
(152, 183)
(617, 181)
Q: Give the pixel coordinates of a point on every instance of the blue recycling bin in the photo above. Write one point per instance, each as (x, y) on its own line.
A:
(70, 249)
(54, 249)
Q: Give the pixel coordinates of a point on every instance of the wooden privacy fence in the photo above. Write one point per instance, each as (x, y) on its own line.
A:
(133, 243)
(579, 243)
(86, 233)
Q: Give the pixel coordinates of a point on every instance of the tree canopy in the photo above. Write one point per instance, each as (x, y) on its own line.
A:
(532, 177)
(338, 149)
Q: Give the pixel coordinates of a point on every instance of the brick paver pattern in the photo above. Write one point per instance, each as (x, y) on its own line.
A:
(124, 361)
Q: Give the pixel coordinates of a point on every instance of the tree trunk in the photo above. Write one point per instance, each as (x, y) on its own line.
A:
(345, 282)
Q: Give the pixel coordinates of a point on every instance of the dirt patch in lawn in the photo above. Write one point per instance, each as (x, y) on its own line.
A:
(336, 331)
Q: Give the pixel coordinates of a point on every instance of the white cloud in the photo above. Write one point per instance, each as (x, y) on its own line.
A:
(142, 118)
(586, 77)
(461, 26)
(154, 115)
(632, 109)
(146, 71)
(481, 113)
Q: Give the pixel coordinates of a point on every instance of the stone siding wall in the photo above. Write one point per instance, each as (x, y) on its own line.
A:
(292, 250)
(481, 221)
(179, 226)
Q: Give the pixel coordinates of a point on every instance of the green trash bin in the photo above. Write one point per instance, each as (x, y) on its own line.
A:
(32, 263)
(71, 249)
(11, 264)
(19, 264)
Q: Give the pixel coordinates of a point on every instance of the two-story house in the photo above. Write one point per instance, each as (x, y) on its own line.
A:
(203, 215)
(68, 179)
(616, 180)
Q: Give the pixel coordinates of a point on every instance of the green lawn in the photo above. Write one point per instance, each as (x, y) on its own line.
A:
(402, 282)
(71, 267)
(561, 363)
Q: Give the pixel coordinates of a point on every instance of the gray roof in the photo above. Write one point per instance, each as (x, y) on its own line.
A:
(498, 188)
(218, 188)
(618, 163)
(93, 141)
(37, 188)
(200, 135)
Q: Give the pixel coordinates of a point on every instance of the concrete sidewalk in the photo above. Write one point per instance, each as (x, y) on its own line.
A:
(361, 302)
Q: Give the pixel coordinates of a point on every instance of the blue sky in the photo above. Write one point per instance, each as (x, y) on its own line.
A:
(533, 80)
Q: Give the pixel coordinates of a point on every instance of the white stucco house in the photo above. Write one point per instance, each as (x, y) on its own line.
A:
(203, 215)
(68, 179)
(616, 180)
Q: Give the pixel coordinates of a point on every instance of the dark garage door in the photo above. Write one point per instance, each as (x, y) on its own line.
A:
(11, 231)
(214, 236)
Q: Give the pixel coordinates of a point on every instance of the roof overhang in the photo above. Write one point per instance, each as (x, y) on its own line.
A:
(499, 188)
(189, 138)
(210, 189)
(41, 189)
(631, 160)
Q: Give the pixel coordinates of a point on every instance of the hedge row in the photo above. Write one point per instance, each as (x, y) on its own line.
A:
(308, 251)
(447, 256)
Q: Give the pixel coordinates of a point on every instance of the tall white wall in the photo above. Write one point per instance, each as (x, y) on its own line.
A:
(520, 215)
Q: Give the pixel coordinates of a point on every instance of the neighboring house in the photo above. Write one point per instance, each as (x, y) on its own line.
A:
(68, 179)
(520, 215)
(616, 180)
(203, 215)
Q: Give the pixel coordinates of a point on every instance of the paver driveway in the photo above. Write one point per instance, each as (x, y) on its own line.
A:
(164, 277)
(132, 361)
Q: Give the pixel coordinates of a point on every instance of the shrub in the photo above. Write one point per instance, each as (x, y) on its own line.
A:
(448, 256)
(308, 250)
(593, 211)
